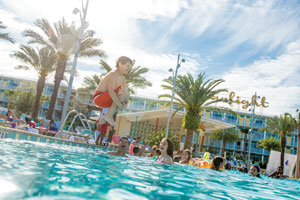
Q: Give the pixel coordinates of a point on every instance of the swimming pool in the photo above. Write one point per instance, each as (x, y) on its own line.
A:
(33, 170)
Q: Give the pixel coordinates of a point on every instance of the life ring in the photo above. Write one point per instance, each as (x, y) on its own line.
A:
(203, 164)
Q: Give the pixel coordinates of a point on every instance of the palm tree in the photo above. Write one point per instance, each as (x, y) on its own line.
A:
(62, 39)
(43, 62)
(90, 83)
(269, 144)
(298, 145)
(283, 125)
(227, 135)
(5, 36)
(195, 96)
(134, 76)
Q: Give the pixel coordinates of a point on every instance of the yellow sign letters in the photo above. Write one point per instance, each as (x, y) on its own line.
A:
(245, 103)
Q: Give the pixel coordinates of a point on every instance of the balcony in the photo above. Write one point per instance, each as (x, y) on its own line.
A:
(45, 104)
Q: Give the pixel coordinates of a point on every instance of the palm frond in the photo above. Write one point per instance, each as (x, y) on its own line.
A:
(105, 66)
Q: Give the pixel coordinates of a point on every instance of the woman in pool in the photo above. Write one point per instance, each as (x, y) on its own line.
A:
(255, 171)
(218, 163)
(166, 149)
(186, 156)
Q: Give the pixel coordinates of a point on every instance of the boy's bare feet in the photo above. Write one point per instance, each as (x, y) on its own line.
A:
(109, 120)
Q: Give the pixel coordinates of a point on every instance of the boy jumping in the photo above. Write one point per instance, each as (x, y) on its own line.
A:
(111, 92)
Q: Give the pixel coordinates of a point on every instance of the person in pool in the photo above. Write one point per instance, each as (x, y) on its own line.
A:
(136, 151)
(278, 173)
(255, 171)
(166, 149)
(185, 157)
(135, 143)
(122, 148)
(153, 151)
(218, 163)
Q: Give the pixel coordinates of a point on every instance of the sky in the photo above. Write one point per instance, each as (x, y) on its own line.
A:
(253, 45)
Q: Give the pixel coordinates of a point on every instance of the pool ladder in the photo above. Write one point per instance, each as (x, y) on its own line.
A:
(79, 115)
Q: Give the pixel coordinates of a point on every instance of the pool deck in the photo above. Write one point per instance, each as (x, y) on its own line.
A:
(18, 134)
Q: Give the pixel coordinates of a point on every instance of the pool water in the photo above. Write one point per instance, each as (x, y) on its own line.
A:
(49, 171)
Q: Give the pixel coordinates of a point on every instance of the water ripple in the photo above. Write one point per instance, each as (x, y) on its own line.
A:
(48, 171)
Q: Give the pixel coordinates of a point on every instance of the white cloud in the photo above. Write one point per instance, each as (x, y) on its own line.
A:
(276, 79)
(114, 21)
(264, 24)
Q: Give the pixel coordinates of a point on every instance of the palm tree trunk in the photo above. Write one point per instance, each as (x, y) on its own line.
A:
(59, 75)
(223, 147)
(39, 91)
(283, 144)
(298, 151)
(188, 139)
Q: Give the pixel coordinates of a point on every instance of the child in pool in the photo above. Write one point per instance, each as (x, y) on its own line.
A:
(111, 92)
(166, 149)
(255, 171)
(136, 151)
(122, 148)
(186, 156)
(218, 163)
(153, 151)
(135, 143)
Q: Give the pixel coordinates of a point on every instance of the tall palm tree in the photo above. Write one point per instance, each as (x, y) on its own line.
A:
(298, 146)
(283, 125)
(62, 38)
(195, 96)
(43, 61)
(5, 36)
(134, 76)
(227, 135)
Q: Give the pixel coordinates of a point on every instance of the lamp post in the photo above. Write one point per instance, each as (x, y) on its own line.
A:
(251, 127)
(83, 23)
(173, 91)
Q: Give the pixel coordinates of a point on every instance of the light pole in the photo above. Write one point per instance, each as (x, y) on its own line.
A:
(173, 91)
(83, 23)
(251, 128)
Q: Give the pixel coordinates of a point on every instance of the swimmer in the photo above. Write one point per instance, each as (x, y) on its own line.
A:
(166, 149)
(136, 151)
(255, 171)
(152, 151)
(186, 156)
(122, 148)
(218, 163)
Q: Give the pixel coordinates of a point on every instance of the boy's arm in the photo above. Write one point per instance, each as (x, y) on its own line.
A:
(111, 90)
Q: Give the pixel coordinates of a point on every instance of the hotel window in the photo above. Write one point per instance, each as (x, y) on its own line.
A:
(152, 107)
(217, 115)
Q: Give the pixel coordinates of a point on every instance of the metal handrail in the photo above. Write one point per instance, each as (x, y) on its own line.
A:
(82, 121)
(77, 115)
